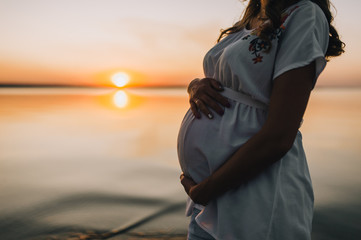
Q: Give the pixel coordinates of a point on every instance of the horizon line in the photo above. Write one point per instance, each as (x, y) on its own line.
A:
(20, 85)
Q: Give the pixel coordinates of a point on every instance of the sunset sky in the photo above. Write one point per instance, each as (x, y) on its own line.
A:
(158, 42)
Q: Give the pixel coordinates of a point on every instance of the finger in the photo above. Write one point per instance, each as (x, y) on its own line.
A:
(187, 183)
(194, 109)
(216, 84)
(219, 98)
(204, 109)
(213, 104)
(213, 91)
(187, 180)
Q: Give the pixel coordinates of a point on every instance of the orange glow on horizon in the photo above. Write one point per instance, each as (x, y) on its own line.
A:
(94, 52)
(120, 78)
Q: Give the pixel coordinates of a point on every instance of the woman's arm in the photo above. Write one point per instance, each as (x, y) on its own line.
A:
(288, 102)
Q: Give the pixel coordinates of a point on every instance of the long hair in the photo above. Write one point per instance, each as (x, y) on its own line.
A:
(273, 12)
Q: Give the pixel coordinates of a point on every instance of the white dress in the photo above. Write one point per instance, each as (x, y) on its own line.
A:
(278, 203)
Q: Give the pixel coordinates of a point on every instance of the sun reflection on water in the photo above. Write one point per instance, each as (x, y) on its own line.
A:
(120, 99)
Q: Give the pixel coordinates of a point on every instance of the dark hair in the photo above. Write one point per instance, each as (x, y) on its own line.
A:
(273, 11)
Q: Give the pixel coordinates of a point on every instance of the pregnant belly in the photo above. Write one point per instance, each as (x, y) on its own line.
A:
(204, 144)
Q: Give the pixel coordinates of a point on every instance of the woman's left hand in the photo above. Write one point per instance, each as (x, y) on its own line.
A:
(194, 190)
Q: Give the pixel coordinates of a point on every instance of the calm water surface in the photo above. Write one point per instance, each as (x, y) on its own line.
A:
(84, 162)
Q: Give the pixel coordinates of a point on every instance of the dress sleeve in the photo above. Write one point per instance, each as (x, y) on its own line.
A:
(304, 40)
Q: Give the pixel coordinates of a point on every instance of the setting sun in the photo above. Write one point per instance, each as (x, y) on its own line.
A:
(120, 79)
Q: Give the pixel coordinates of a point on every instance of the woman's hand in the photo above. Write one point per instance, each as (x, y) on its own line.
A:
(204, 93)
(194, 190)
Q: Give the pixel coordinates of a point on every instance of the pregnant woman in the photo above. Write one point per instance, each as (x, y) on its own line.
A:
(243, 163)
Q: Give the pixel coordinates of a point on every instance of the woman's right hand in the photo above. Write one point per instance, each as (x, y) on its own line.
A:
(204, 94)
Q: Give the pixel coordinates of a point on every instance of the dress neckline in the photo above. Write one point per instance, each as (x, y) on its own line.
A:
(251, 30)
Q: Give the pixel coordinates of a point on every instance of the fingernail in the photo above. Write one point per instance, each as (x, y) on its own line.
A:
(210, 116)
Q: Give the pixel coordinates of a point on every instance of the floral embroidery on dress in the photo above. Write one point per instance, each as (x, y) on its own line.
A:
(255, 47)
(258, 45)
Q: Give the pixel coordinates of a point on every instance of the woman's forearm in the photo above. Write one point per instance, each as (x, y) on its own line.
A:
(252, 158)
(289, 99)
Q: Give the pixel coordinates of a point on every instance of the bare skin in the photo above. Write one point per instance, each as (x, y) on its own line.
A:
(288, 102)
(204, 93)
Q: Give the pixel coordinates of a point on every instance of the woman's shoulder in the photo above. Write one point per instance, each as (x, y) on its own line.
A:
(304, 10)
(301, 6)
